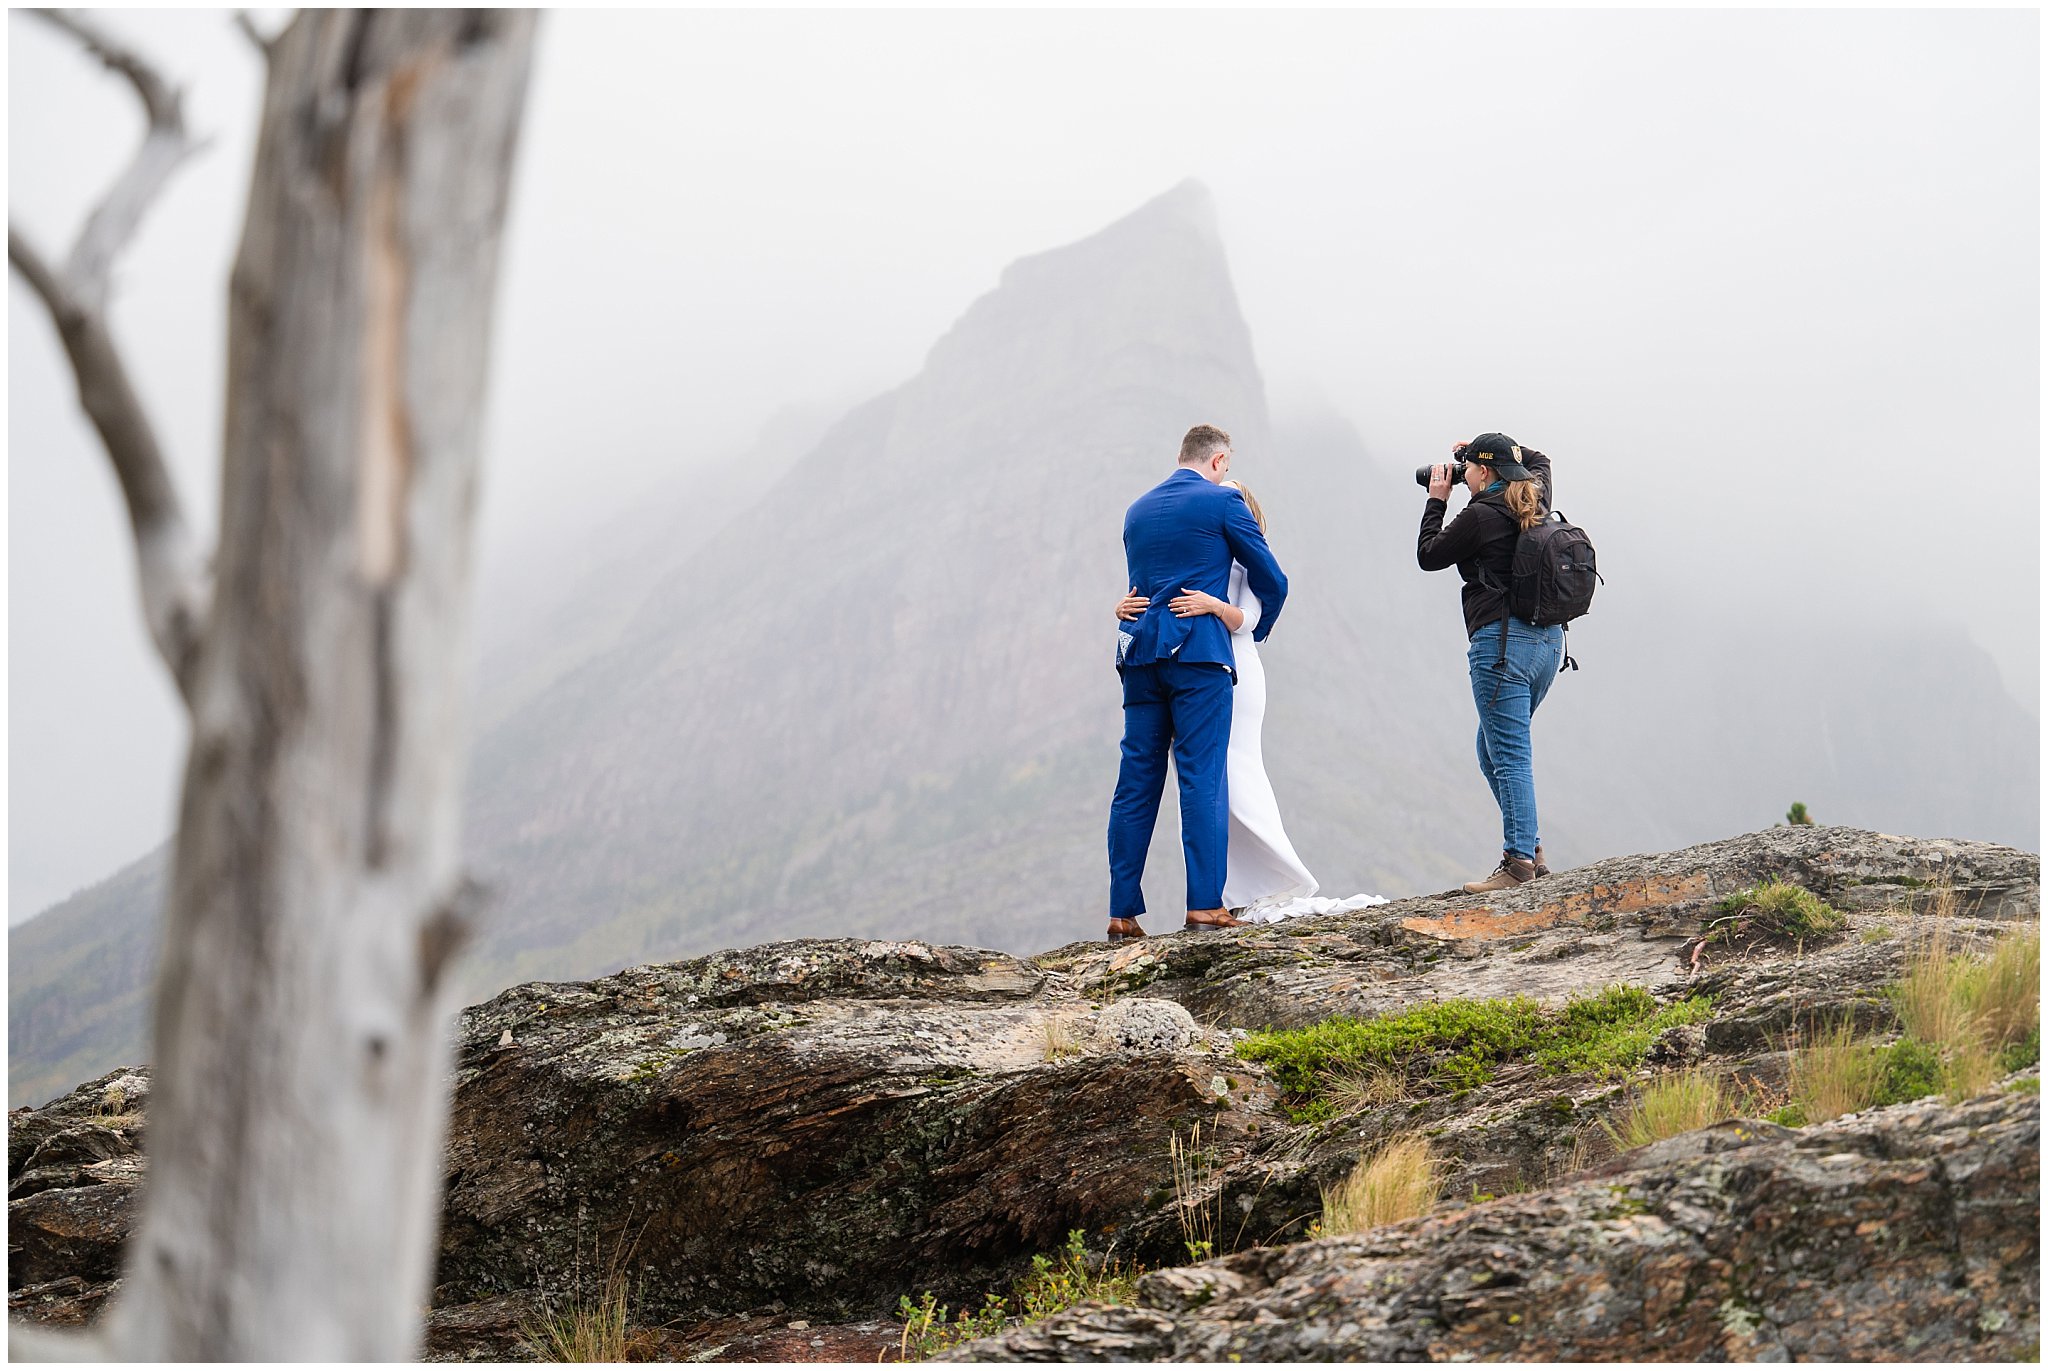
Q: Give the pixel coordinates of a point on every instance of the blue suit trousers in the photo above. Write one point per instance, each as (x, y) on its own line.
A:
(1181, 708)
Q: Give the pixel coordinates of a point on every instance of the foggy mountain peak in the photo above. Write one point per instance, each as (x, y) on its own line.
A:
(1144, 304)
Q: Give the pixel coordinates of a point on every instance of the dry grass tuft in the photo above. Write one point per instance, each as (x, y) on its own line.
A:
(1367, 1088)
(1932, 998)
(1398, 1181)
(1194, 1169)
(1973, 1006)
(1832, 1074)
(2005, 995)
(596, 1330)
(1676, 1102)
(1060, 1042)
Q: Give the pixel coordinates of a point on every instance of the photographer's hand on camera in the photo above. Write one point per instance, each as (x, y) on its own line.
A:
(1440, 482)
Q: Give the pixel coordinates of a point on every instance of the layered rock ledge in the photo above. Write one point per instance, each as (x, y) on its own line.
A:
(1910, 1233)
(799, 1133)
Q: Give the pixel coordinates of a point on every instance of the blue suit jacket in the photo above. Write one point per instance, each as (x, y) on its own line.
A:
(1185, 532)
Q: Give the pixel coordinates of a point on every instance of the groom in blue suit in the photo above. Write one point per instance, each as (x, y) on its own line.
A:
(1178, 671)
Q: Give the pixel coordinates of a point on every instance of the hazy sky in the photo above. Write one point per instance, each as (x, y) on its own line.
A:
(1773, 277)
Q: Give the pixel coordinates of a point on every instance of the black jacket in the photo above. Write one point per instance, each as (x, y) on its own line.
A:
(1480, 540)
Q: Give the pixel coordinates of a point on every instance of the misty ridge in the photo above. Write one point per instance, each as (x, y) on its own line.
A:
(857, 679)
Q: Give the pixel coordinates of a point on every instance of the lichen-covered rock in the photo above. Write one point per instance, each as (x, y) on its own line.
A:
(801, 1132)
(73, 1169)
(113, 1104)
(929, 1122)
(1627, 919)
(74, 1230)
(68, 1302)
(1910, 1232)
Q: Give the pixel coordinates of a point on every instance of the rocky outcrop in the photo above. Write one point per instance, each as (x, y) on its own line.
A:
(73, 1170)
(825, 1124)
(1910, 1232)
(782, 1140)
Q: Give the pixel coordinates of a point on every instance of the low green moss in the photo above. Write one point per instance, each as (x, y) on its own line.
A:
(1451, 1043)
(1459, 1044)
(1790, 1115)
(1611, 1032)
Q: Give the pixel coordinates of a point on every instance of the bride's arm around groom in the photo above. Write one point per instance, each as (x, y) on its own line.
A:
(1261, 570)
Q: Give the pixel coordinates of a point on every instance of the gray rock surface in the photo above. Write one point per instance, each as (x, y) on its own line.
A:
(1910, 1232)
(807, 1130)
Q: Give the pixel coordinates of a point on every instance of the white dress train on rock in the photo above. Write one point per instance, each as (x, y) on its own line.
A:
(1265, 879)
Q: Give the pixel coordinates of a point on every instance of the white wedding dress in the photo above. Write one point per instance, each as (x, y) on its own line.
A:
(1264, 879)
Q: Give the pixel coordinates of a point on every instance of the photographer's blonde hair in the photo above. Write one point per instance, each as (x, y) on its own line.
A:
(1524, 499)
(1252, 503)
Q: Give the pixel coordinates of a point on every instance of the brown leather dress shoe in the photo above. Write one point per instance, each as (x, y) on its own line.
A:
(1125, 930)
(1205, 920)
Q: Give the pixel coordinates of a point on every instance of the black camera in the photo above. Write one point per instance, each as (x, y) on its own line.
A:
(1457, 467)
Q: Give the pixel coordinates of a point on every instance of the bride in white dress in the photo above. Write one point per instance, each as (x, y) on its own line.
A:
(1264, 881)
(1263, 864)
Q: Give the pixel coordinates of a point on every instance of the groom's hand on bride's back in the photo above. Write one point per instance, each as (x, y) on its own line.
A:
(1132, 606)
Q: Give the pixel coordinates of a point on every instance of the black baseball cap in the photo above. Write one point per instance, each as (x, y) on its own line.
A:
(1498, 451)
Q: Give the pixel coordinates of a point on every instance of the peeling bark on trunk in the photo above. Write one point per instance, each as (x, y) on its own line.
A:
(301, 1026)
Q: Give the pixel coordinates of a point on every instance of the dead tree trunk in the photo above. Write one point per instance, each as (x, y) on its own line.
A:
(300, 1037)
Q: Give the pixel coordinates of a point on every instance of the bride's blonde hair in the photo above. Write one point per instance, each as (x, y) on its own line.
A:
(1251, 502)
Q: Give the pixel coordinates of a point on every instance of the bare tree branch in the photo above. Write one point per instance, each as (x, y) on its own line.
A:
(255, 35)
(174, 589)
(166, 144)
(159, 100)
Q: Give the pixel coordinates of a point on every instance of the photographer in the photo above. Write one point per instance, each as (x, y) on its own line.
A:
(1511, 491)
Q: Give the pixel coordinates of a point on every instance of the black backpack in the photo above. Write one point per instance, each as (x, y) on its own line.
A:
(1551, 579)
(1554, 573)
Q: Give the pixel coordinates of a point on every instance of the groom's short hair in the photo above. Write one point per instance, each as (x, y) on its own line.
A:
(1203, 442)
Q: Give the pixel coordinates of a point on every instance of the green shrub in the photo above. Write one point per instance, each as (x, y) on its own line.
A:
(927, 1331)
(1907, 1070)
(1055, 1284)
(2022, 1054)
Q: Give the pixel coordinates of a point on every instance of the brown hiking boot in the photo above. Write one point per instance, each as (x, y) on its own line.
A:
(1204, 920)
(1511, 872)
(1125, 931)
(1542, 867)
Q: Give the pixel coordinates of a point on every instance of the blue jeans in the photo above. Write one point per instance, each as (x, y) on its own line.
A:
(1507, 697)
(1180, 709)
